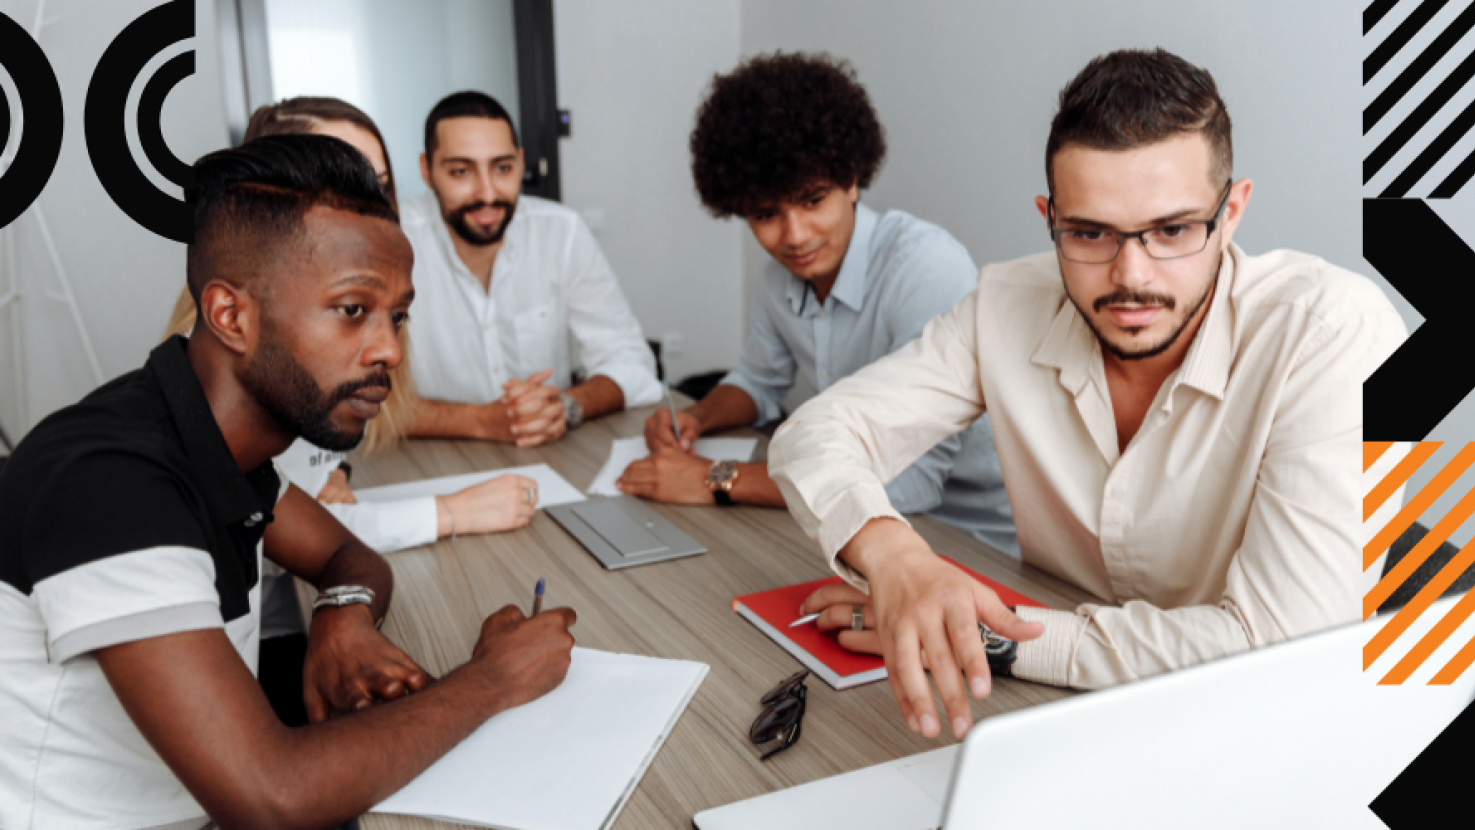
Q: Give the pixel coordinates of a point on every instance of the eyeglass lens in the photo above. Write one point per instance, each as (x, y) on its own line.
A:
(1166, 242)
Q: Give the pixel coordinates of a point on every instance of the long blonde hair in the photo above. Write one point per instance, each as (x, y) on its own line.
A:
(301, 116)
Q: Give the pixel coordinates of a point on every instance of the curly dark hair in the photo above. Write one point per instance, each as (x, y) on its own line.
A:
(779, 124)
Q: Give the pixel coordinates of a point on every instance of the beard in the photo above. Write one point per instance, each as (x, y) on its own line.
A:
(288, 392)
(472, 235)
(1123, 295)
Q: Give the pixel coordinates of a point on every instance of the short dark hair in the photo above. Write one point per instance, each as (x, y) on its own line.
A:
(1131, 98)
(305, 113)
(250, 202)
(778, 124)
(468, 104)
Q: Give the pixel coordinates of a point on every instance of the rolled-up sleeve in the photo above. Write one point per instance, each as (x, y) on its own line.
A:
(609, 337)
(831, 458)
(767, 369)
(1296, 570)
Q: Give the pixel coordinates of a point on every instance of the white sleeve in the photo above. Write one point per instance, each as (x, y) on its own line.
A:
(610, 340)
(389, 526)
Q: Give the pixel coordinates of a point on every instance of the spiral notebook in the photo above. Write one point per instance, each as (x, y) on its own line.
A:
(772, 611)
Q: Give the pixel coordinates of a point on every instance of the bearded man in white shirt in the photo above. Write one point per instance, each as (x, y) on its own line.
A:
(1178, 422)
(505, 282)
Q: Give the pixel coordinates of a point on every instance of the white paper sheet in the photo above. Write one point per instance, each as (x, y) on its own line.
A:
(553, 489)
(567, 761)
(625, 451)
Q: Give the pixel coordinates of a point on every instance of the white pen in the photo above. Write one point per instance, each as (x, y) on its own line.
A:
(804, 620)
(671, 407)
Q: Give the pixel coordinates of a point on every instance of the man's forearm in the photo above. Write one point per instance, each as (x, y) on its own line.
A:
(726, 407)
(443, 419)
(753, 486)
(356, 564)
(598, 396)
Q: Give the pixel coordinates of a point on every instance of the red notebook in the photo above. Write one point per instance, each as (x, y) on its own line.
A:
(772, 611)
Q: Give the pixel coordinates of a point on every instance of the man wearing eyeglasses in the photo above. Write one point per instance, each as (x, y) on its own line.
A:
(1177, 421)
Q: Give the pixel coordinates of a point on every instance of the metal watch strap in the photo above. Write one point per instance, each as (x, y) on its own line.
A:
(573, 411)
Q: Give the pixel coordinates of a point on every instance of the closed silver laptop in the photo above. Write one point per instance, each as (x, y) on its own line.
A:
(623, 532)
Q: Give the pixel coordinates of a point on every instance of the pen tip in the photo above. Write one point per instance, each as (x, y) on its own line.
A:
(540, 585)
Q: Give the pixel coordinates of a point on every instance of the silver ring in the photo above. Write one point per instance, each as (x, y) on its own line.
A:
(857, 618)
(532, 497)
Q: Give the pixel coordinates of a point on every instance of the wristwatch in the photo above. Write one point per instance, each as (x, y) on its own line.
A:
(573, 411)
(347, 469)
(341, 595)
(720, 478)
(1001, 651)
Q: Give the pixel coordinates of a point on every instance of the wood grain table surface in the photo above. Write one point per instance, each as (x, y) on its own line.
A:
(679, 609)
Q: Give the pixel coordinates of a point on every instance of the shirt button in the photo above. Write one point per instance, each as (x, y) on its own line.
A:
(254, 520)
(487, 327)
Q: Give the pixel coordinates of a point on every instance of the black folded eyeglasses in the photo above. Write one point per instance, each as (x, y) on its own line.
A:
(783, 714)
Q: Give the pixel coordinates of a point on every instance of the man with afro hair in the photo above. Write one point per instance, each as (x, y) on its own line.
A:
(788, 142)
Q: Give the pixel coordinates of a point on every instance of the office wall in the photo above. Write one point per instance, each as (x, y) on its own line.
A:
(394, 60)
(632, 74)
(125, 279)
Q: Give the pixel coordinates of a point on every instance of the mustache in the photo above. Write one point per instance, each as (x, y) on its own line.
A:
(378, 379)
(478, 205)
(1124, 296)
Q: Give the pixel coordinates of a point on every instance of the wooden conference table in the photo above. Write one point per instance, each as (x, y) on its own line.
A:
(679, 609)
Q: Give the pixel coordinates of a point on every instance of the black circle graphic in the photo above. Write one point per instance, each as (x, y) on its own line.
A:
(105, 129)
(40, 100)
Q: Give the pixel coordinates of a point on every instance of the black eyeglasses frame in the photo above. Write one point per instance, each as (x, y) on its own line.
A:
(1141, 236)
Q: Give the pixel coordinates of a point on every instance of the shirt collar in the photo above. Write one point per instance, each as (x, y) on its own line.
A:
(232, 496)
(1071, 346)
(850, 284)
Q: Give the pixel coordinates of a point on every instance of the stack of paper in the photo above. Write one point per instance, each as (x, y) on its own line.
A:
(567, 761)
(626, 451)
(553, 489)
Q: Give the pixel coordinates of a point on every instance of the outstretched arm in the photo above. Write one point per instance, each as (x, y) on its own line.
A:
(190, 695)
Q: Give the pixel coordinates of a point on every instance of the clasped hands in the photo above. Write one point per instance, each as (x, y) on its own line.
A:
(671, 473)
(922, 614)
(528, 414)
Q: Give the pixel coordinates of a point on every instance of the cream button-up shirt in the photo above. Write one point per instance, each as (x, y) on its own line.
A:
(1230, 521)
(554, 303)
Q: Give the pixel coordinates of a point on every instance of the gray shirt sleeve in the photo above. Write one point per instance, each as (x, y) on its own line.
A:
(931, 278)
(766, 369)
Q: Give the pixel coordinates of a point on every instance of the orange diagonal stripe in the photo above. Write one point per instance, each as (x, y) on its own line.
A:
(1397, 476)
(1462, 660)
(1417, 556)
(1441, 630)
(1417, 505)
(1372, 451)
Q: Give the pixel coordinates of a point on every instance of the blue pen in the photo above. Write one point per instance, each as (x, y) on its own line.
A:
(671, 407)
(538, 597)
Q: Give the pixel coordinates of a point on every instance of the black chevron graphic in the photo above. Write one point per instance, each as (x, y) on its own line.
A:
(1422, 795)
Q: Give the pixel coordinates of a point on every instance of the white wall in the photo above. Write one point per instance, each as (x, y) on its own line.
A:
(124, 277)
(632, 73)
(394, 60)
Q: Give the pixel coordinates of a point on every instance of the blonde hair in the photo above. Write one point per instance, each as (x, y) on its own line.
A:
(302, 116)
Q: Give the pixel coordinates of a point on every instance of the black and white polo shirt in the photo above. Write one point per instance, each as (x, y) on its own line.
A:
(123, 517)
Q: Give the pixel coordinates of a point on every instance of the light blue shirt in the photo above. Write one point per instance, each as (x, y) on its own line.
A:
(899, 272)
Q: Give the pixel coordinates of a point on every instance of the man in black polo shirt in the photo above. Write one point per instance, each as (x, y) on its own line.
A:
(132, 527)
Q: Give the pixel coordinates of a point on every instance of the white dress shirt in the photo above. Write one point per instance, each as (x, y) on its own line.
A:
(553, 304)
(1231, 520)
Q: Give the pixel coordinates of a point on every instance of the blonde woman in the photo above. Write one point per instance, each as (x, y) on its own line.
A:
(504, 503)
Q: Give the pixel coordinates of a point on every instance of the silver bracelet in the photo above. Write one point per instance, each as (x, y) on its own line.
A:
(449, 512)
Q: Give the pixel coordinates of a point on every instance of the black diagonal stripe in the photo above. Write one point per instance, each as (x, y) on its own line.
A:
(1456, 180)
(1418, 68)
(1400, 37)
(1431, 155)
(1372, 14)
(1418, 118)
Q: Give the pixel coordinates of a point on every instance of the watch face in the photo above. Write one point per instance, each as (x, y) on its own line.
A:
(721, 475)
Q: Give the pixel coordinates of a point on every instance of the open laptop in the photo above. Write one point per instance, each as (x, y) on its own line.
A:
(622, 531)
(1294, 735)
